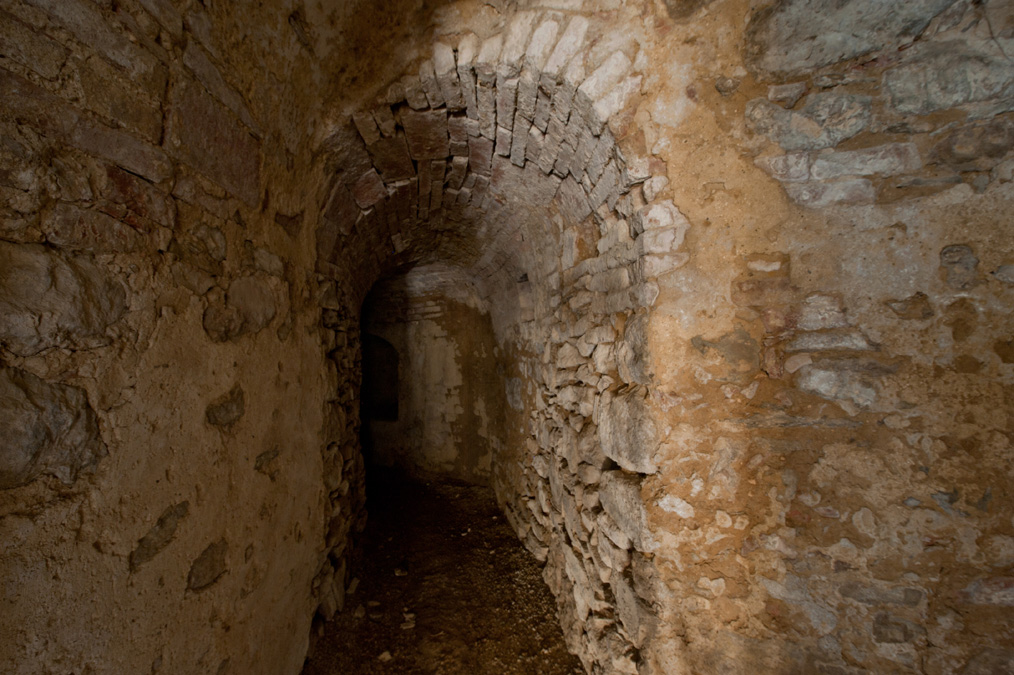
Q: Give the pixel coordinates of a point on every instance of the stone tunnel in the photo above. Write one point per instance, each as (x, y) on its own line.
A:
(715, 295)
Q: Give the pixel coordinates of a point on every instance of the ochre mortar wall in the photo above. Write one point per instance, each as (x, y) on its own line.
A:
(749, 273)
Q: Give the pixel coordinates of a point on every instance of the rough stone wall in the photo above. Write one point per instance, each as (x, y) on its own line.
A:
(748, 272)
(449, 389)
(710, 404)
(172, 455)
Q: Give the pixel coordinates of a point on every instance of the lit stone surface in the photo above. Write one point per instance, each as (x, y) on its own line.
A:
(736, 363)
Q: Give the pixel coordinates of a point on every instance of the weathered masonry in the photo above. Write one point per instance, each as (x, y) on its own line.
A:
(718, 295)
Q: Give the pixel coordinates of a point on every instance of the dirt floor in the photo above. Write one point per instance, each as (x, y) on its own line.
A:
(444, 587)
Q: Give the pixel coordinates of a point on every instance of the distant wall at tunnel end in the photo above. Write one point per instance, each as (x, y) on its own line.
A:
(449, 380)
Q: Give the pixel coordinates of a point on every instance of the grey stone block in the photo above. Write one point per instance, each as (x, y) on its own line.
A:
(49, 429)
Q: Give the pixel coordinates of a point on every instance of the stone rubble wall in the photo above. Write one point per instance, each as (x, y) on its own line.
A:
(703, 490)
(179, 474)
(512, 143)
(748, 272)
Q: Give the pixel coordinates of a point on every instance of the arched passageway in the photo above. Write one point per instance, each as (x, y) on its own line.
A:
(742, 271)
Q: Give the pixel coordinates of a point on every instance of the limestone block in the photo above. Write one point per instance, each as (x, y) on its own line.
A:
(633, 360)
(503, 142)
(438, 168)
(366, 126)
(616, 99)
(627, 431)
(960, 266)
(430, 86)
(391, 157)
(568, 357)
(620, 493)
(887, 160)
(515, 41)
(456, 176)
(248, 307)
(486, 61)
(519, 141)
(573, 201)
(636, 617)
(601, 82)
(506, 101)
(414, 94)
(486, 103)
(843, 385)
(457, 128)
(787, 94)
(555, 134)
(603, 358)
(533, 148)
(426, 133)
(208, 567)
(609, 281)
(821, 312)
(818, 195)
(792, 167)
(48, 300)
(825, 120)
(227, 409)
(528, 91)
(948, 74)
(160, 535)
(72, 227)
(468, 51)
(205, 134)
(48, 429)
(607, 187)
(600, 156)
(385, 121)
(542, 42)
(30, 48)
(369, 189)
(166, 14)
(799, 36)
(976, 147)
(566, 49)
(447, 76)
(87, 23)
(542, 111)
(195, 58)
(480, 154)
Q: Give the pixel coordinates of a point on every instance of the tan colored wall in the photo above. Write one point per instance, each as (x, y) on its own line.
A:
(450, 389)
(752, 305)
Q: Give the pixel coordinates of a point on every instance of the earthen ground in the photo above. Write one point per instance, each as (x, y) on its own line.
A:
(440, 555)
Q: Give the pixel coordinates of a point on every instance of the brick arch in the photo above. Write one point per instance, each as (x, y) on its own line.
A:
(471, 158)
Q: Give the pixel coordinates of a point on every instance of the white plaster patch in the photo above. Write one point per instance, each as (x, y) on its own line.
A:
(680, 507)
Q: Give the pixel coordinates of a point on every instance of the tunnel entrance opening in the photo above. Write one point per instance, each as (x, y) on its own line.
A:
(440, 581)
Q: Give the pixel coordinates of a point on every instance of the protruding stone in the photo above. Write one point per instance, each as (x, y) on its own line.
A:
(887, 160)
(426, 133)
(824, 121)
(390, 156)
(620, 493)
(48, 300)
(228, 409)
(627, 431)
(48, 429)
(209, 566)
(369, 189)
(447, 76)
(159, 536)
(566, 49)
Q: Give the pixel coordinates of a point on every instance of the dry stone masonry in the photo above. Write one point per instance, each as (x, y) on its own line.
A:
(717, 296)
